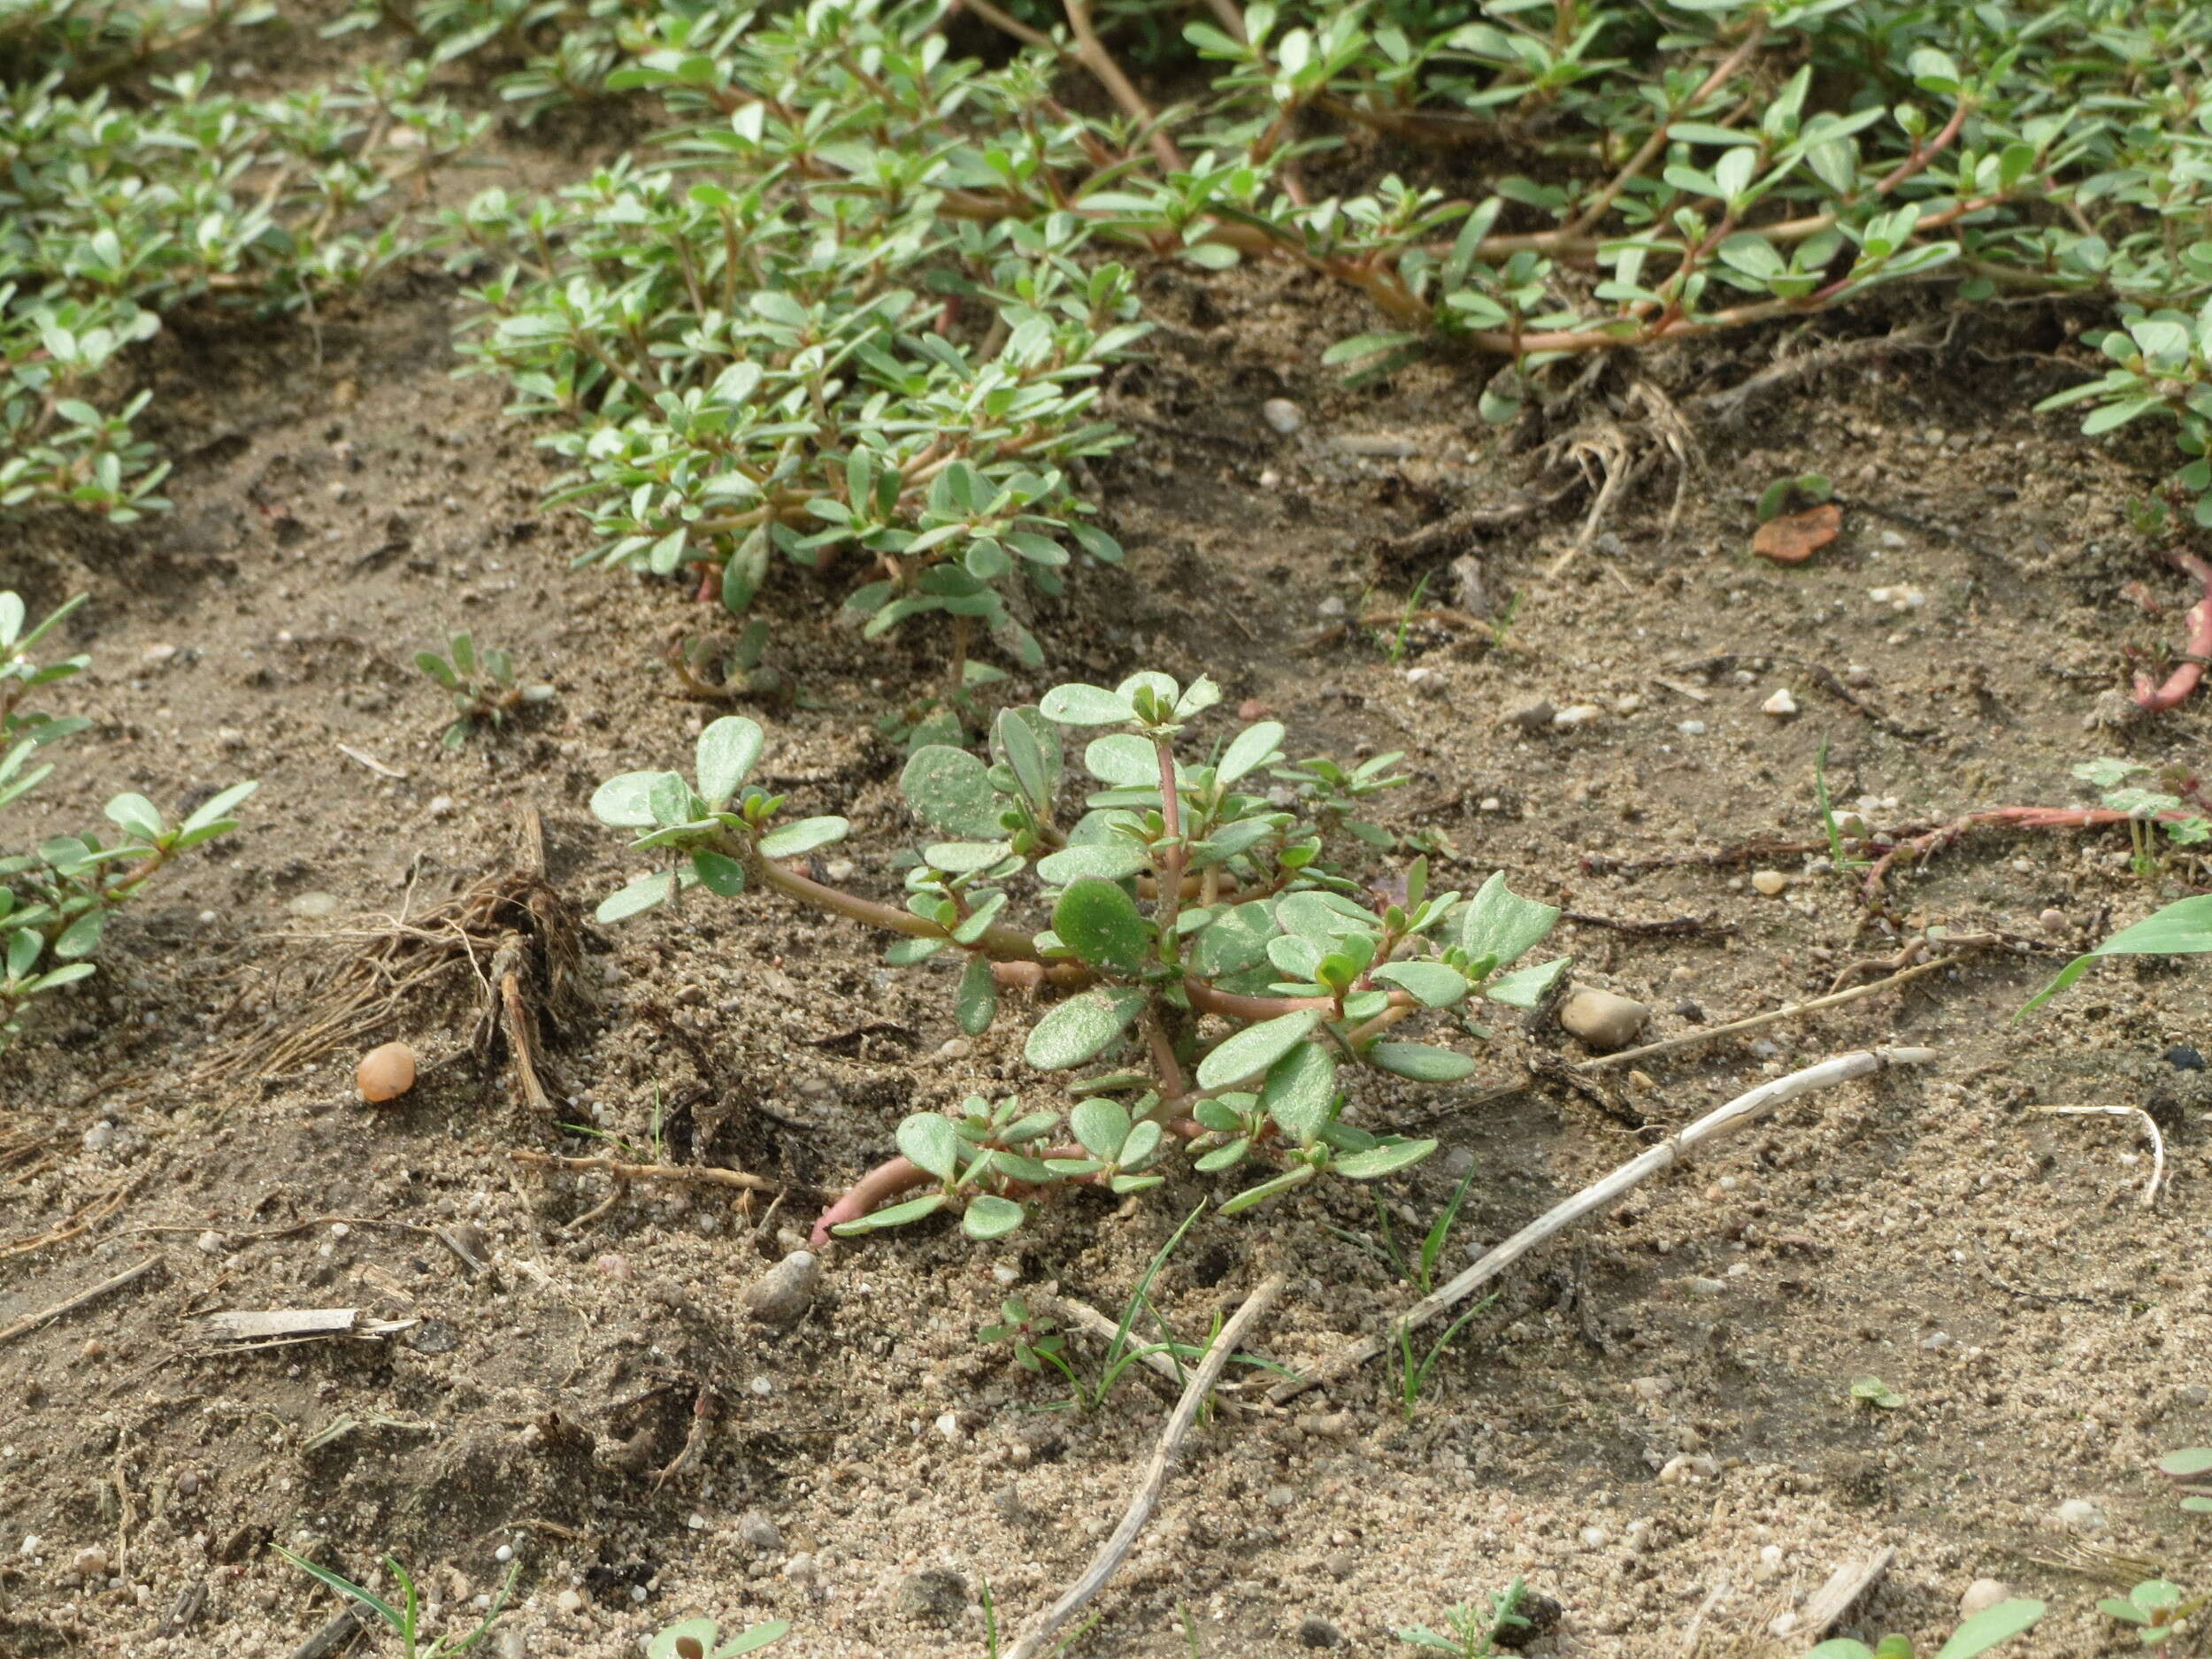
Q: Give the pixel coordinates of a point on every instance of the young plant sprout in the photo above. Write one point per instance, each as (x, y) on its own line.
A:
(701, 1638)
(1991, 1628)
(55, 901)
(482, 685)
(1182, 931)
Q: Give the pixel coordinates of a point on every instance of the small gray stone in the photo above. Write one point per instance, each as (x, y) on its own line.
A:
(1575, 715)
(935, 1595)
(1467, 585)
(759, 1531)
(312, 906)
(1283, 415)
(1532, 717)
(1602, 1020)
(782, 1295)
(1318, 1632)
(1983, 1595)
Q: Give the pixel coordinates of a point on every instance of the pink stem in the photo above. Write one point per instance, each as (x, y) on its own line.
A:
(2156, 699)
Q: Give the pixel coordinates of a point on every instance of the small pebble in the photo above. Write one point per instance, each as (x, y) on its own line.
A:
(1283, 415)
(312, 906)
(782, 1295)
(2182, 1057)
(2078, 1515)
(1595, 1538)
(1781, 705)
(211, 1242)
(759, 1531)
(1576, 714)
(1692, 728)
(90, 1561)
(1318, 1632)
(799, 1569)
(1688, 1466)
(157, 656)
(1983, 1595)
(1427, 681)
(441, 805)
(1700, 1285)
(570, 1601)
(2054, 921)
(1332, 607)
(1602, 1020)
(99, 1137)
(386, 1073)
(1531, 717)
(1773, 883)
(506, 1552)
(957, 1049)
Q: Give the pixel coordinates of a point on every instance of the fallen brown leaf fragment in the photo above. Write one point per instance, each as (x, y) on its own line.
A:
(1795, 537)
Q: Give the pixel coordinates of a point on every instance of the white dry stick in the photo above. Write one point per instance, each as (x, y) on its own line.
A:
(1590, 1200)
(1047, 1624)
(2150, 1125)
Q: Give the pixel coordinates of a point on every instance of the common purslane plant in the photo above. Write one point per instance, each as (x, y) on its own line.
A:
(482, 685)
(116, 208)
(772, 343)
(1183, 929)
(55, 901)
(1991, 1628)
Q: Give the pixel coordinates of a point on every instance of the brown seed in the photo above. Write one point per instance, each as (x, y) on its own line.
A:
(387, 1073)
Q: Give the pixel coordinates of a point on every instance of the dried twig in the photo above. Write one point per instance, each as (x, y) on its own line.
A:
(2150, 1125)
(1038, 1637)
(1603, 1195)
(1846, 1585)
(1772, 1017)
(694, 1174)
(129, 1275)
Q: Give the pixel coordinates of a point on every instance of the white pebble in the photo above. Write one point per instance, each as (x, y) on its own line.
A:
(1692, 728)
(1575, 715)
(2078, 1515)
(1283, 415)
(1781, 705)
(505, 1553)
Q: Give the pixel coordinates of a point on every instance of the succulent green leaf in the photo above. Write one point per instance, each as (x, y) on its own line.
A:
(896, 1215)
(1384, 1160)
(2183, 928)
(1234, 940)
(1254, 1050)
(1254, 747)
(990, 1217)
(727, 751)
(977, 1004)
(1100, 1125)
(1431, 983)
(1115, 860)
(1525, 988)
(1098, 920)
(215, 809)
(1085, 705)
(136, 814)
(1992, 1628)
(719, 873)
(1081, 1028)
(930, 1142)
(1299, 1090)
(1420, 1062)
(950, 789)
(791, 841)
(1499, 925)
(627, 802)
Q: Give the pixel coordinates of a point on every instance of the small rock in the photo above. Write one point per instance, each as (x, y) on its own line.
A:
(1698, 1285)
(1318, 1632)
(1773, 883)
(2054, 921)
(1654, 1387)
(312, 906)
(230, 737)
(1576, 714)
(1595, 1538)
(1899, 598)
(782, 1295)
(1688, 1466)
(933, 1594)
(1332, 607)
(1458, 1161)
(1781, 705)
(1427, 681)
(386, 1073)
(956, 1049)
(1983, 1595)
(157, 656)
(800, 1568)
(759, 1530)
(1279, 1497)
(441, 806)
(570, 1600)
(1283, 415)
(949, 1427)
(1602, 1020)
(212, 1243)
(2182, 1057)
(1692, 728)
(1531, 717)
(90, 1561)
(1330, 1425)
(614, 1266)
(99, 1137)
(1467, 585)
(2078, 1515)
(839, 869)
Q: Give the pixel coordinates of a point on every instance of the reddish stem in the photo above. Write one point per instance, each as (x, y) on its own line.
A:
(2017, 817)
(2156, 699)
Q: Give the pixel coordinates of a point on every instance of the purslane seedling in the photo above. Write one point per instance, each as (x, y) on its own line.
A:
(1182, 931)
(482, 685)
(55, 900)
(1991, 1628)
